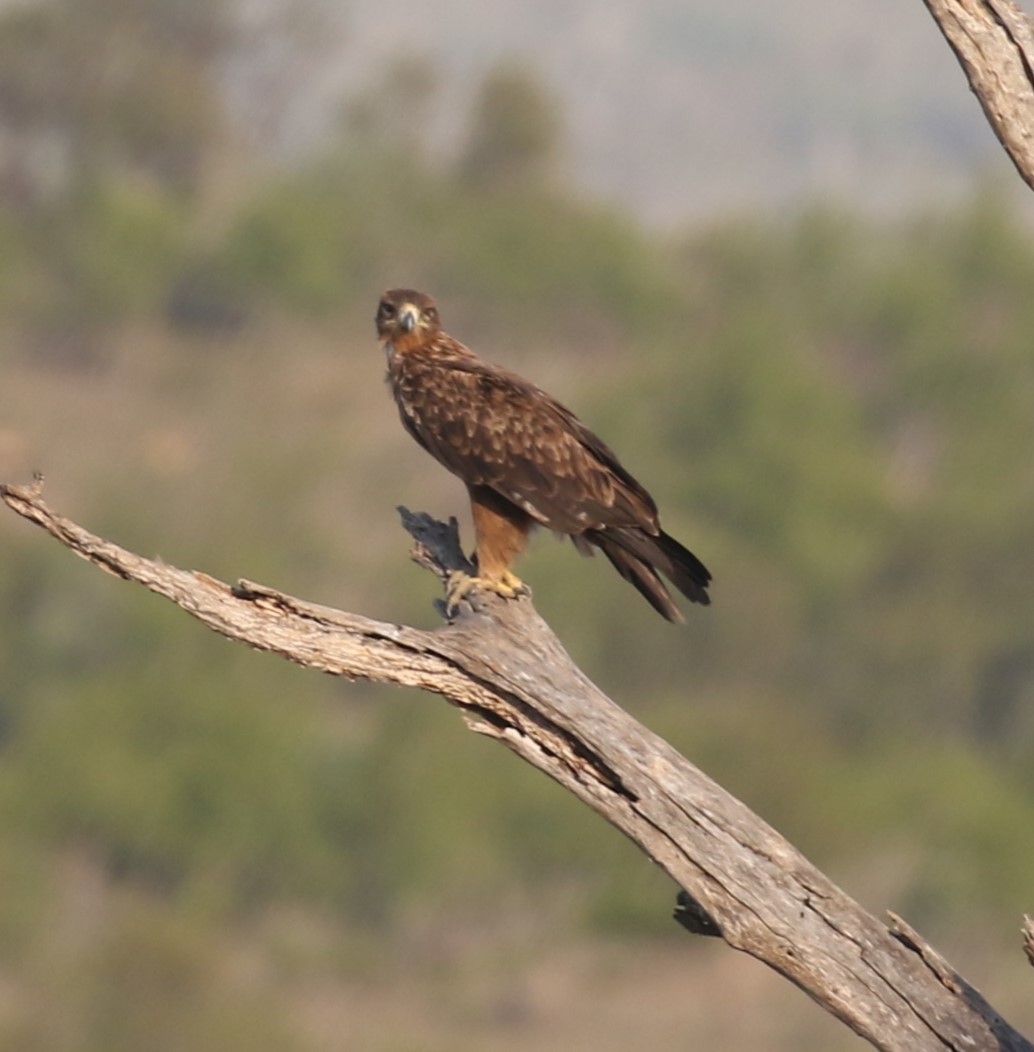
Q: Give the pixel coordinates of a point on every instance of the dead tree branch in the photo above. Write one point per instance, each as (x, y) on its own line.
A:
(994, 42)
(500, 664)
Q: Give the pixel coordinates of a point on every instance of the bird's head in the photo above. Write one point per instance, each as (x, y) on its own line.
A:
(406, 318)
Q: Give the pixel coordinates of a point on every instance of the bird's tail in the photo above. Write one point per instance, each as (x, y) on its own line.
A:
(638, 556)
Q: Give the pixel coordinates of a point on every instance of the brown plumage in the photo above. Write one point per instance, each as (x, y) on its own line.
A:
(526, 461)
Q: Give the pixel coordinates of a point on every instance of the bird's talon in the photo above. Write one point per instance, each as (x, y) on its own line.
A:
(459, 585)
(511, 586)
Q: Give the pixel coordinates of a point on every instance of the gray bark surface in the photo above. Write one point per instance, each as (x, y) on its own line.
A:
(994, 43)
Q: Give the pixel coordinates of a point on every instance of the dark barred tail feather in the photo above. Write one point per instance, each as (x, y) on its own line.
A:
(638, 556)
(689, 575)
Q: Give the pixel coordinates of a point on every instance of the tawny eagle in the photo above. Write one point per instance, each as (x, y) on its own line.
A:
(526, 460)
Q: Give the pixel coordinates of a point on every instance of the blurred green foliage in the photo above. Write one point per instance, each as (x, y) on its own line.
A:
(515, 134)
(834, 412)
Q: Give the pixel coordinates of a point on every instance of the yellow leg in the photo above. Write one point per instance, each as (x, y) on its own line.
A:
(501, 529)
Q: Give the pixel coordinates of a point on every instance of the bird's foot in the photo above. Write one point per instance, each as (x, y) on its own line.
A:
(460, 585)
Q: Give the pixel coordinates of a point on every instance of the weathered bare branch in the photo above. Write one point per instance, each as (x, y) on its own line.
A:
(994, 42)
(500, 664)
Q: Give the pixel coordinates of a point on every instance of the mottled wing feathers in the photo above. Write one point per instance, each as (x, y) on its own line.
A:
(494, 429)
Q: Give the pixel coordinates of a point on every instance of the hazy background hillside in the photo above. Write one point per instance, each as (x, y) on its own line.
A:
(779, 264)
(680, 108)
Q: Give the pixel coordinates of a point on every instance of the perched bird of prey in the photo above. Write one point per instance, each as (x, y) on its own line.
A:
(527, 461)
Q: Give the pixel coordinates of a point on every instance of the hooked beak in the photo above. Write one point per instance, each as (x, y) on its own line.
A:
(408, 318)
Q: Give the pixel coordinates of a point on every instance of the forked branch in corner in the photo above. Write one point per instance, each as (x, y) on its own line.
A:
(994, 43)
(500, 664)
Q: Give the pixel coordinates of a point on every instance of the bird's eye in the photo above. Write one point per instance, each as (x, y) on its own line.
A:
(387, 310)
(431, 314)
